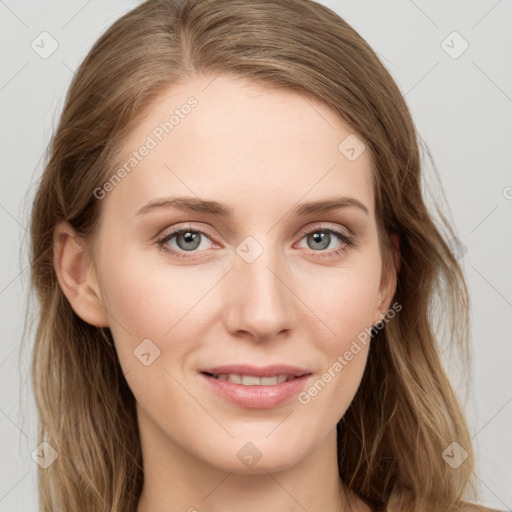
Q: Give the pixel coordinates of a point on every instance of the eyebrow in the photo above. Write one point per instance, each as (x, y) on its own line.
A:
(193, 204)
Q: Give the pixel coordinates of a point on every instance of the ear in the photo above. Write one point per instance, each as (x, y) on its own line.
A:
(77, 276)
(395, 241)
(388, 281)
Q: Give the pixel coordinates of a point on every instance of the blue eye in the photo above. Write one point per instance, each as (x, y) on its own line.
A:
(325, 238)
(188, 239)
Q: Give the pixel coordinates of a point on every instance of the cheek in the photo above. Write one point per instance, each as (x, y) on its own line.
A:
(147, 298)
(141, 301)
(332, 391)
(144, 293)
(152, 331)
(346, 306)
(344, 300)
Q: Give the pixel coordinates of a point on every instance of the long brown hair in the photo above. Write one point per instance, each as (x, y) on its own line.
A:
(405, 413)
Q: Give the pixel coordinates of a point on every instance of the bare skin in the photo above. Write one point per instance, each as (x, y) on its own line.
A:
(262, 152)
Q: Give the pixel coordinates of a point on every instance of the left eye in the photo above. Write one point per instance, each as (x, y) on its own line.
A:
(322, 238)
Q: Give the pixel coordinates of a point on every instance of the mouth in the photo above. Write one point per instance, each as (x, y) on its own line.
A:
(253, 380)
(274, 386)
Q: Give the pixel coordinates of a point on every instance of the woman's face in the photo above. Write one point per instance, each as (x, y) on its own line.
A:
(263, 285)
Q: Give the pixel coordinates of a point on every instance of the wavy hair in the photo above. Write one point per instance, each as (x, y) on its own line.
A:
(405, 412)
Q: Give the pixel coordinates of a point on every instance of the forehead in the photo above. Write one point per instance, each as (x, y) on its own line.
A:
(241, 142)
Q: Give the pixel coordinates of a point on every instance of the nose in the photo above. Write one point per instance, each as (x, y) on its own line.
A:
(259, 300)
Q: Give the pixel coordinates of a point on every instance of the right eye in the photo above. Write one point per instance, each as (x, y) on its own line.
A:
(186, 239)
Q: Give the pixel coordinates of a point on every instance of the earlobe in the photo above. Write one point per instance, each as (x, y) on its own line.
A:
(77, 276)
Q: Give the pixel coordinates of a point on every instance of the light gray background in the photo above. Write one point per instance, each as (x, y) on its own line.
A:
(462, 107)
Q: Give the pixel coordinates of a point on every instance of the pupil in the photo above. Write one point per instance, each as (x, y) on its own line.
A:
(319, 237)
(189, 238)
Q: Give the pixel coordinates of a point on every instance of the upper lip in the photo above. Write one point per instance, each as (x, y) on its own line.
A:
(261, 371)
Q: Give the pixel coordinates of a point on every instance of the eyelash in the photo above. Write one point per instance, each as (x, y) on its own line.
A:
(347, 239)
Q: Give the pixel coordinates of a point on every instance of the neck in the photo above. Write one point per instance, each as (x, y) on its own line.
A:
(177, 481)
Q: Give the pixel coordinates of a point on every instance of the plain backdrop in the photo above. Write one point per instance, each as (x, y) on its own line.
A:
(451, 59)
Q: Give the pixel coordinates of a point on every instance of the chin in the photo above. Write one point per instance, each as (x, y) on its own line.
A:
(255, 457)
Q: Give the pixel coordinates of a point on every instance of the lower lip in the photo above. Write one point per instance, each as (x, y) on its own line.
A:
(257, 397)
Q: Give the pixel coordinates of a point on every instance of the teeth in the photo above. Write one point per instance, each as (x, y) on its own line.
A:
(251, 380)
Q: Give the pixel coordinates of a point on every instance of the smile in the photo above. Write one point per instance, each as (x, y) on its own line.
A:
(254, 392)
(252, 380)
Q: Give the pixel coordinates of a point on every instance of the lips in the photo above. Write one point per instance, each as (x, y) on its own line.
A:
(256, 387)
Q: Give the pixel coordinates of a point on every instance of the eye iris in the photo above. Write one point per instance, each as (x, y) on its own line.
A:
(190, 238)
(320, 237)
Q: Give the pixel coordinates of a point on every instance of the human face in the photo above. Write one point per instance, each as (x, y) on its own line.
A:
(252, 288)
